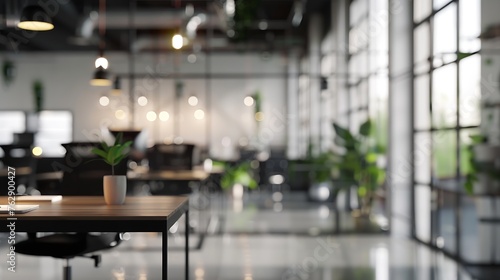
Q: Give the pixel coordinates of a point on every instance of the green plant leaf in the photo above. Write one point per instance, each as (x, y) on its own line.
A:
(112, 154)
(105, 146)
(342, 133)
(118, 138)
(365, 128)
(477, 139)
(100, 153)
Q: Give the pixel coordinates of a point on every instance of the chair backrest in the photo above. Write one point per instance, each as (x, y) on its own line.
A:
(86, 176)
(171, 157)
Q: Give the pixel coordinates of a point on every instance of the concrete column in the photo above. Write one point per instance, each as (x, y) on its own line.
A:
(293, 148)
(341, 37)
(400, 157)
(315, 32)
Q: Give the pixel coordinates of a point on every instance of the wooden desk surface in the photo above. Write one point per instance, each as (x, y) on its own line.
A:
(20, 171)
(179, 175)
(94, 208)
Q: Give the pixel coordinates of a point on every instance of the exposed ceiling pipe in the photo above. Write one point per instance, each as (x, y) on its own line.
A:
(151, 19)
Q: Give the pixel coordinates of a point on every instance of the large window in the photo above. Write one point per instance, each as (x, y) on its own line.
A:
(52, 128)
(367, 82)
(368, 66)
(446, 96)
(55, 128)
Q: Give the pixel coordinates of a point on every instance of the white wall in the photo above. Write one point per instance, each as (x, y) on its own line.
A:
(66, 81)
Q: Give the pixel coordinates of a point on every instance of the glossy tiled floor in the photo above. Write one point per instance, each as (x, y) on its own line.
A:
(258, 255)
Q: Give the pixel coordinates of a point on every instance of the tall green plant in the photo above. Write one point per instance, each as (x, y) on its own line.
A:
(320, 165)
(357, 163)
(239, 174)
(113, 154)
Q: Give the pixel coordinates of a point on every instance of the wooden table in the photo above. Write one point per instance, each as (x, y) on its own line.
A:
(168, 175)
(20, 171)
(91, 214)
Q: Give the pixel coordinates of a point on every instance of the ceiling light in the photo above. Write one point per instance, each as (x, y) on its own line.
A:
(164, 116)
(230, 8)
(100, 78)
(177, 41)
(120, 114)
(104, 101)
(37, 151)
(263, 25)
(142, 100)
(151, 116)
(191, 58)
(101, 62)
(117, 87)
(193, 100)
(34, 18)
(248, 101)
(199, 114)
(259, 116)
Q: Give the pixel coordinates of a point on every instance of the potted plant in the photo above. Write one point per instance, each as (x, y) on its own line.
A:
(238, 177)
(356, 165)
(114, 186)
(320, 170)
(483, 176)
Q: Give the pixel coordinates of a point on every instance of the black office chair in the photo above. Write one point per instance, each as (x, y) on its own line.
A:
(83, 179)
(68, 246)
(171, 157)
(17, 156)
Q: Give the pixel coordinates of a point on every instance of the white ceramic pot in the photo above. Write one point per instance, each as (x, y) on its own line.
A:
(115, 189)
(321, 191)
(483, 153)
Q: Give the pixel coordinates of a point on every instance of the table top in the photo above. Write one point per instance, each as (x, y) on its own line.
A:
(179, 175)
(148, 175)
(95, 208)
(20, 171)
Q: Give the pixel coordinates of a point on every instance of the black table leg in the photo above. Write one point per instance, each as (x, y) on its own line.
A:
(187, 245)
(164, 255)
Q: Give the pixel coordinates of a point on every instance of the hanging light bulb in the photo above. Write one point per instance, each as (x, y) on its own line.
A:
(193, 100)
(199, 114)
(248, 101)
(101, 62)
(177, 41)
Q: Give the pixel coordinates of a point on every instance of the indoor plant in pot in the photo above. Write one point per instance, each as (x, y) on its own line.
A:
(114, 186)
(237, 177)
(357, 163)
(320, 170)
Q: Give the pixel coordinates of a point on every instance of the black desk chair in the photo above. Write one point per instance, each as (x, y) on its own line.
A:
(18, 156)
(171, 157)
(68, 246)
(83, 179)
(174, 157)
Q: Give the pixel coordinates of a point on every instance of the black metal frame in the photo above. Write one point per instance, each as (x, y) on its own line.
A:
(435, 190)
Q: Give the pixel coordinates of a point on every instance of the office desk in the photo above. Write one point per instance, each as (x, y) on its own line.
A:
(165, 175)
(168, 175)
(91, 214)
(20, 171)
